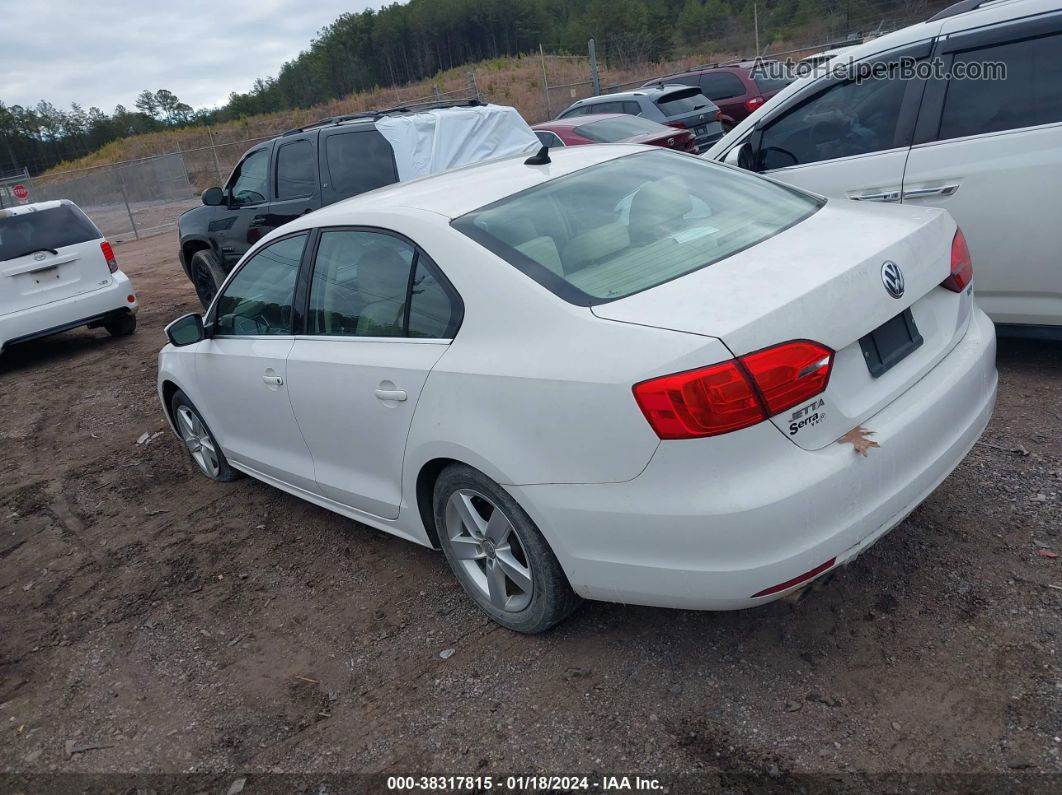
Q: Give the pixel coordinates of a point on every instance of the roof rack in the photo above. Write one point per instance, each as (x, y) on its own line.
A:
(959, 8)
(376, 114)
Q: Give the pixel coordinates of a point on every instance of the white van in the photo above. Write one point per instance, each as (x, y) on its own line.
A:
(57, 272)
(987, 150)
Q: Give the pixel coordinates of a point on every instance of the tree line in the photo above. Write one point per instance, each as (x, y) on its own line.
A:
(405, 43)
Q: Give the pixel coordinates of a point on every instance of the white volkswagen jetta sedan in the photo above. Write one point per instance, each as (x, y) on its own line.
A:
(624, 375)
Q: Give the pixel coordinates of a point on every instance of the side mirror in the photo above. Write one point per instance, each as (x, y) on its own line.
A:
(735, 155)
(213, 197)
(186, 330)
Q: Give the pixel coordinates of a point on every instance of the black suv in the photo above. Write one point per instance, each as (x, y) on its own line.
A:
(281, 179)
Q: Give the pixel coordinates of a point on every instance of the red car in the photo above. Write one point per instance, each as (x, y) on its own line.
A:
(613, 128)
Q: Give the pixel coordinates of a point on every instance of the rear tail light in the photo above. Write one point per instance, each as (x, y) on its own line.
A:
(961, 264)
(752, 104)
(678, 125)
(108, 254)
(719, 116)
(734, 394)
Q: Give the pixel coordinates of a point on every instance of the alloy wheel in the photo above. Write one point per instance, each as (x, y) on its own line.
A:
(197, 438)
(488, 548)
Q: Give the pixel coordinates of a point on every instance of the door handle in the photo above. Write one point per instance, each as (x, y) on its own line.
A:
(273, 380)
(876, 196)
(939, 190)
(391, 394)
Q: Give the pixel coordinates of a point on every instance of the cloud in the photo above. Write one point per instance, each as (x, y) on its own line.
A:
(105, 53)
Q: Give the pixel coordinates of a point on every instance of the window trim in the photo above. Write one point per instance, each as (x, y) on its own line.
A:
(209, 322)
(309, 265)
(315, 179)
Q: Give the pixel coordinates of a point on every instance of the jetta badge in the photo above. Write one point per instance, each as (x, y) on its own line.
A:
(892, 278)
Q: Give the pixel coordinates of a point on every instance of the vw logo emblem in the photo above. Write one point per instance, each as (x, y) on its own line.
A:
(892, 278)
(38, 256)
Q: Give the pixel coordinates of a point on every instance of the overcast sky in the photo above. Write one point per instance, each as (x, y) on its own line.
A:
(105, 52)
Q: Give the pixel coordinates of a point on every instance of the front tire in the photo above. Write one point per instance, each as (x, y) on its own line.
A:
(497, 554)
(206, 276)
(201, 444)
(121, 327)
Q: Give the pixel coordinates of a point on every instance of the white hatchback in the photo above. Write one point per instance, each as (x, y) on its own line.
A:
(57, 272)
(627, 374)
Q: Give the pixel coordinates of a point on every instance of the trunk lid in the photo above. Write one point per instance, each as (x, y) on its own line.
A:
(821, 280)
(48, 251)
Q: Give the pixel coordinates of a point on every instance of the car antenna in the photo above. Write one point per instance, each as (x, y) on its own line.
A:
(539, 159)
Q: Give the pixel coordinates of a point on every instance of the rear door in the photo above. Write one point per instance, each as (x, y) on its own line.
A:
(727, 91)
(379, 317)
(48, 252)
(296, 185)
(990, 152)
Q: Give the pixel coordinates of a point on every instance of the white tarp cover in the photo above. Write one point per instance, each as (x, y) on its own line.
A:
(436, 140)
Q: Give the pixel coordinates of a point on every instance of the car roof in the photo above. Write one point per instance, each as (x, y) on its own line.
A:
(24, 209)
(453, 193)
(576, 121)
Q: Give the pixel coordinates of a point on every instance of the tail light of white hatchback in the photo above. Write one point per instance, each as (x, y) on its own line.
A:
(735, 394)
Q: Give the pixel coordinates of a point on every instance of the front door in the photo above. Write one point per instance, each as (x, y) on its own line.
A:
(297, 188)
(241, 369)
(241, 221)
(373, 334)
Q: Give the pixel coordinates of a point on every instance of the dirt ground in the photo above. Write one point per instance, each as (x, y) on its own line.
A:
(183, 625)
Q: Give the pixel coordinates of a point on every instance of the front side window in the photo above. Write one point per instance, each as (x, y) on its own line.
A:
(359, 162)
(296, 170)
(1030, 94)
(844, 120)
(258, 301)
(251, 179)
(632, 223)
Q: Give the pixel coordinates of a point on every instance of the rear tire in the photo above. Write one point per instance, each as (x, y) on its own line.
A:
(497, 554)
(121, 327)
(206, 275)
(204, 448)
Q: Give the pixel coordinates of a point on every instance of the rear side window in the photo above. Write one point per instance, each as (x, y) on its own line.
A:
(359, 162)
(611, 130)
(296, 173)
(632, 223)
(55, 227)
(1030, 94)
(679, 102)
(721, 85)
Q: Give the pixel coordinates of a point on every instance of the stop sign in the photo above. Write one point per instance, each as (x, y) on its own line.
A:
(21, 193)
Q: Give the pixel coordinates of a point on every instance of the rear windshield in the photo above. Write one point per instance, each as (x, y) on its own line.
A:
(632, 223)
(612, 130)
(37, 230)
(684, 101)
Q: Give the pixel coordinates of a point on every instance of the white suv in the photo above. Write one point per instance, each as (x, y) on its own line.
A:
(57, 272)
(987, 150)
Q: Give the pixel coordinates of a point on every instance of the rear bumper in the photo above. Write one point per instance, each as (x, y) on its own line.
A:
(79, 310)
(710, 522)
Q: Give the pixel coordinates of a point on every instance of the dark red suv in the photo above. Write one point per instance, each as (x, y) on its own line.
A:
(737, 88)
